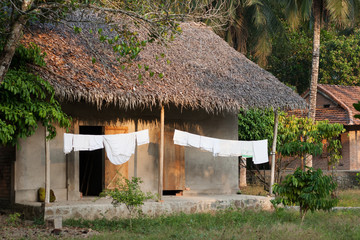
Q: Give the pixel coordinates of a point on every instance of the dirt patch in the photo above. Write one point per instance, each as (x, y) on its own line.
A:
(13, 227)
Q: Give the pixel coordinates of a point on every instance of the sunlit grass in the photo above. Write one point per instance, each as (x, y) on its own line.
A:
(279, 225)
(349, 198)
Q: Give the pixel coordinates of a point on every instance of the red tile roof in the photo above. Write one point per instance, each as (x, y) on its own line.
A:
(345, 96)
(333, 115)
(343, 112)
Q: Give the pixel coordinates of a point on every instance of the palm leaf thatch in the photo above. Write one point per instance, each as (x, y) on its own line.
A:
(201, 71)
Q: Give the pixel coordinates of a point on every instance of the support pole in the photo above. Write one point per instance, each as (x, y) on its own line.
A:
(47, 168)
(161, 160)
(273, 150)
(136, 150)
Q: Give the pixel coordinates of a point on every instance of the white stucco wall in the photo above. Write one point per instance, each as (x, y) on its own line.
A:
(30, 166)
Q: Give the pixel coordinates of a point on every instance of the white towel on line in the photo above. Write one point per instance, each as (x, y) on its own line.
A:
(224, 148)
(142, 137)
(193, 140)
(260, 149)
(68, 142)
(180, 138)
(81, 142)
(227, 148)
(96, 142)
(113, 158)
(207, 143)
(246, 148)
(120, 144)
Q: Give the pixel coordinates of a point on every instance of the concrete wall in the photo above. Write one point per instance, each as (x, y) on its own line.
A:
(30, 166)
(346, 179)
(203, 172)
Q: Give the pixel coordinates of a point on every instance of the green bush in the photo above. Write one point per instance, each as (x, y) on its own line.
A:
(309, 189)
(129, 193)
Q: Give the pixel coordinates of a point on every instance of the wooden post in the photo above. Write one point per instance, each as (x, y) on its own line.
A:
(136, 150)
(161, 160)
(273, 151)
(47, 168)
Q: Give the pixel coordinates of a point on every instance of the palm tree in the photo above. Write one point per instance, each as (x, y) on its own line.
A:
(318, 11)
(249, 27)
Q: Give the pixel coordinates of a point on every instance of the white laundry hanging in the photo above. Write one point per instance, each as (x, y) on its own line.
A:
(68, 142)
(180, 138)
(118, 147)
(142, 137)
(83, 142)
(224, 148)
(207, 143)
(260, 153)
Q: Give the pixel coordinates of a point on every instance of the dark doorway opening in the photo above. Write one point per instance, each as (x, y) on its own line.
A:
(172, 192)
(91, 165)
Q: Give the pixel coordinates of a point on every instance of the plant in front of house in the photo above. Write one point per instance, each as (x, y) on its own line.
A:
(310, 190)
(128, 192)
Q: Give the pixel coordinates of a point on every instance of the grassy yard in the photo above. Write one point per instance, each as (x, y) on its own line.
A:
(349, 198)
(232, 225)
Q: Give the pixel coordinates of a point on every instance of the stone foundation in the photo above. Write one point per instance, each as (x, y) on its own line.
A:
(103, 208)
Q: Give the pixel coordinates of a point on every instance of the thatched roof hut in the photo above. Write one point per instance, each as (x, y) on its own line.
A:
(201, 71)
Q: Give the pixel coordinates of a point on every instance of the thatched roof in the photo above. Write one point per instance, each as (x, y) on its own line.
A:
(201, 71)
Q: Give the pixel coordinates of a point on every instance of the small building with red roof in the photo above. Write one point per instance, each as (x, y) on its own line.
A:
(335, 104)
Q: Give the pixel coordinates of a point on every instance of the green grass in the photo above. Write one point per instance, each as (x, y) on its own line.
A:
(232, 225)
(349, 198)
(256, 190)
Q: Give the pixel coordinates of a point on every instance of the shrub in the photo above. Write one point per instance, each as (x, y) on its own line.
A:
(309, 189)
(129, 193)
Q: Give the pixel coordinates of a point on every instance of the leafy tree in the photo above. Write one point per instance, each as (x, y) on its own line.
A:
(296, 137)
(157, 17)
(339, 63)
(290, 60)
(256, 124)
(330, 133)
(127, 192)
(310, 189)
(249, 26)
(26, 100)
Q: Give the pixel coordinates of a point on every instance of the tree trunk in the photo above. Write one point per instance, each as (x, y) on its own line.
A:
(13, 39)
(314, 66)
(315, 58)
(242, 177)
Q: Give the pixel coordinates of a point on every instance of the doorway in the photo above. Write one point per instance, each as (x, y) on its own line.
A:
(91, 165)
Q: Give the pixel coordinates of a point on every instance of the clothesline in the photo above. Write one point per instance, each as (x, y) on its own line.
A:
(118, 147)
(258, 150)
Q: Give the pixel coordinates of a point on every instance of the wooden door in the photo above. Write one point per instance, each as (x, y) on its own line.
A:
(174, 163)
(111, 170)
